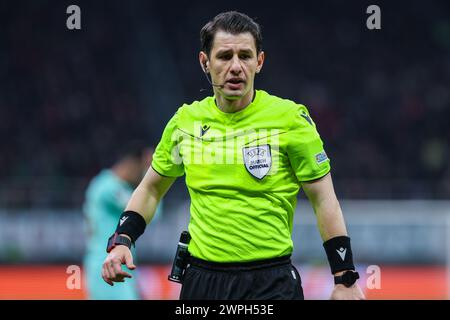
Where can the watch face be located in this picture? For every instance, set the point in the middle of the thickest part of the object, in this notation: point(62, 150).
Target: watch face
point(349, 278)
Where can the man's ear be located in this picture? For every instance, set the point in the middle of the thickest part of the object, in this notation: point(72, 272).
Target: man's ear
point(203, 59)
point(261, 57)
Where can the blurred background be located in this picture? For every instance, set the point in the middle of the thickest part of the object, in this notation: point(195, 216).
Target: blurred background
point(380, 98)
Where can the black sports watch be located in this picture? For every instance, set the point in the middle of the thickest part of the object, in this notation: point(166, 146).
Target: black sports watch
point(116, 240)
point(348, 278)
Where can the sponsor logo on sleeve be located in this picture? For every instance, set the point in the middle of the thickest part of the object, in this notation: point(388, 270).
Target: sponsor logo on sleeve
point(321, 157)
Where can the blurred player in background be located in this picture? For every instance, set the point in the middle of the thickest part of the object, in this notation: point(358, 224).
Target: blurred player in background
point(106, 198)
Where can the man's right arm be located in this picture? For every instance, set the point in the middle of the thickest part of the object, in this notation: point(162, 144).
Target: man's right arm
point(143, 201)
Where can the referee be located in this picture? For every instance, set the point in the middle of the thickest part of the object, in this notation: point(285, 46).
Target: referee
point(245, 154)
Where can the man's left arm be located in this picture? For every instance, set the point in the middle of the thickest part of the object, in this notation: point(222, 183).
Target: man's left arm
point(331, 224)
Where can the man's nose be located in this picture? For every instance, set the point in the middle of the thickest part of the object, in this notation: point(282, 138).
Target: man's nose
point(236, 67)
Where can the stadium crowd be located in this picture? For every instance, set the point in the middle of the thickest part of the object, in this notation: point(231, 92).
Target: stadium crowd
point(381, 99)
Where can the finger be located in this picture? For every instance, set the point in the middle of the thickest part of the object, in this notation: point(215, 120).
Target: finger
point(105, 278)
point(129, 261)
point(126, 274)
point(118, 272)
point(119, 279)
point(110, 270)
point(117, 267)
point(107, 272)
point(109, 282)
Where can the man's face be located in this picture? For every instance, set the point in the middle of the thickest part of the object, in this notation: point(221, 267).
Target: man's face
point(138, 167)
point(233, 62)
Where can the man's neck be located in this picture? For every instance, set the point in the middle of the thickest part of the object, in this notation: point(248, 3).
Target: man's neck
point(230, 106)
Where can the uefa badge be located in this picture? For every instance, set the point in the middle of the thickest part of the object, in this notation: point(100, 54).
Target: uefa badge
point(257, 160)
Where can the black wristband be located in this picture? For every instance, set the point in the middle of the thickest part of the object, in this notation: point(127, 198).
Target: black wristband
point(339, 253)
point(132, 224)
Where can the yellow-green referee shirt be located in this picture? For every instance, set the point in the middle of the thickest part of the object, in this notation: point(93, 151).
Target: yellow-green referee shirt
point(243, 172)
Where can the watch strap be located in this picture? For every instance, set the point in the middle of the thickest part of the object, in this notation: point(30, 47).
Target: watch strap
point(117, 239)
point(348, 278)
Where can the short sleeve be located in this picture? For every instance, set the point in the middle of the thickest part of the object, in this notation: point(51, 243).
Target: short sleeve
point(166, 159)
point(305, 147)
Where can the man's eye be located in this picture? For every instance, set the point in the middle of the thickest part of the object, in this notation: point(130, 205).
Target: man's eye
point(245, 56)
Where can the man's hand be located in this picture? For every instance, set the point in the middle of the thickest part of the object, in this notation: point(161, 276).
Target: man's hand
point(341, 292)
point(112, 267)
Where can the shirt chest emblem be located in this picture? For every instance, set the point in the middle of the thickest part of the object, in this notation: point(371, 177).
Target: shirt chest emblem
point(257, 160)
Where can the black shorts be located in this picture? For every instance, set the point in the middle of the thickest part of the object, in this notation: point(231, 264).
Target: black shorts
point(273, 279)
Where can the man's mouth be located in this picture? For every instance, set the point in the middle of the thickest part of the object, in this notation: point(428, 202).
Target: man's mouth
point(235, 80)
point(235, 83)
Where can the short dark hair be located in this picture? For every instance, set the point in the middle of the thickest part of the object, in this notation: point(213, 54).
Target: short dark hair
point(134, 149)
point(233, 22)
